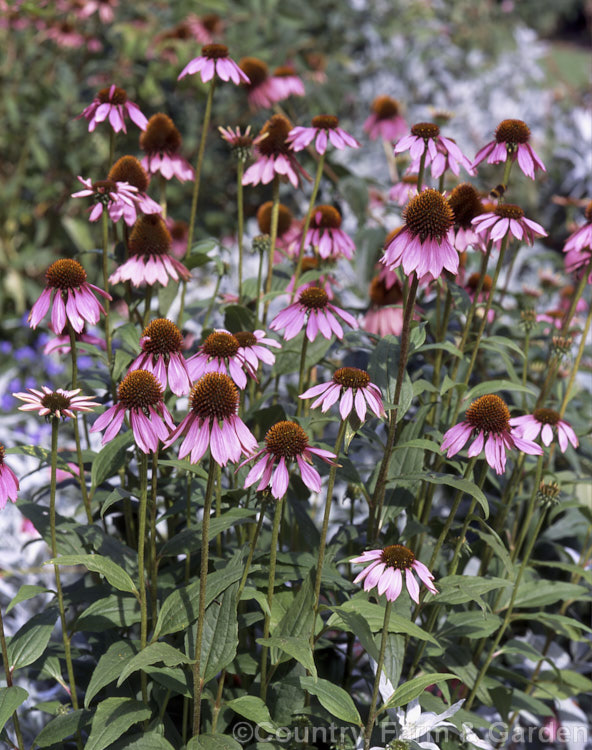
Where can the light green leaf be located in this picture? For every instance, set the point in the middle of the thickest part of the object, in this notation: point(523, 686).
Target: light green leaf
point(10, 699)
point(30, 641)
point(333, 699)
point(109, 668)
point(110, 458)
point(153, 653)
point(61, 727)
point(113, 717)
point(297, 648)
point(220, 634)
point(25, 592)
point(374, 616)
point(213, 742)
point(115, 574)
point(253, 709)
point(411, 689)
point(493, 386)
point(458, 483)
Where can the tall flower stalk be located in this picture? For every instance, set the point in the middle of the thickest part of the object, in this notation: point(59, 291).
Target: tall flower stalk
point(275, 533)
point(275, 208)
point(307, 220)
point(141, 573)
point(79, 459)
point(8, 678)
point(372, 713)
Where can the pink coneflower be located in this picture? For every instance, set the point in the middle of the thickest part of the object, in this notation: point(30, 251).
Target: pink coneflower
point(105, 9)
point(581, 239)
point(554, 317)
point(326, 235)
point(274, 156)
point(402, 192)
point(9, 484)
point(324, 129)
point(113, 103)
point(161, 142)
point(240, 143)
point(149, 244)
point(118, 198)
point(424, 244)
point(140, 395)
point(488, 420)
point(262, 90)
point(511, 139)
point(471, 287)
point(253, 348)
point(214, 59)
point(326, 281)
point(445, 160)
point(314, 311)
point(504, 220)
point(576, 260)
point(286, 82)
point(61, 344)
point(66, 35)
point(386, 572)
point(129, 169)
point(385, 121)
point(213, 423)
point(545, 422)
point(288, 233)
point(466, 205)
point(220, 352)
point(204, 28)
point(73, 298)
point(440, 152)
point(162, 344)
point(352, 388)
point(285, 442)
point(58, 404)
point(385, 316)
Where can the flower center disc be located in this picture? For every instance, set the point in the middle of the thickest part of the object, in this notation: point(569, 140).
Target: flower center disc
point(381, 296)
point(264, 218)
point(488, 413)
point(220, 344)
point(214, 396)
point(325, 122)
point(163, 337)
point(473, 282)
point(546, 416)
point(314, 298)
point(276, 131)
point(129, 169)
point(139, 390)
point(429, 215)
point(256, 70)
point(55, 402)
point(509, 211)
point(149, 236)
point(351, 377)
point(465, 204)
point(65, 274)
point(119, 96)
point(286, 440)
point(425, 130)
point(329, 218)
point(2, 454)
point(284, 71)
point(245, 338)
point(214, 51)
point(161, 135)
point(398, 556)
point(385, 107)
point(512, 131)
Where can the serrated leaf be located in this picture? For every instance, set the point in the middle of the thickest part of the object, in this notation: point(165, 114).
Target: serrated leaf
point(220, 634)
point(152, 654)
point(374, 616)
point(493, 386)
point(213, 742)
point(461, 589)
point(111, 457)
point(253, 709)
point(109, 668)
point(459, 483)
point(411, 689)
point(189, 540)
point(180, 608)
point(333, 699)
point(30, 641)
point(61, 727)
point(115, 611)
point(146, 741)
point(10, 699)
point(297, 648)
point(115, 574)
point(470, 625)
point(112, 718)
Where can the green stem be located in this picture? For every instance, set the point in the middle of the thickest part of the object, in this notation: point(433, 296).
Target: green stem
point(252, 545)
point(218, 511)
point(162, 183)
point(302, 372)
point(420, 174)
point(143, 467)
point(240, 208)
point(111, 148)
point(529, 511)
point(504, 625)
point(380, 489)
point(153, 557)
point(525, 366)
point(54, 553)
point(105, 220)
point(79, 460)
point(188, 522)
point(258, 297)
point(307, 220)
point(8, 676)
point(203, 578)
point(325, 527)
point(277, 517)
point(275, 209)
point(576, 364)
point(147, 302)
point(467, 521)
point(372, 712)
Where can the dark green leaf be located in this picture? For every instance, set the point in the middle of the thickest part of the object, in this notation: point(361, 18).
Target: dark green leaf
point(115, 574)
point(112, 718)
point(333, 699)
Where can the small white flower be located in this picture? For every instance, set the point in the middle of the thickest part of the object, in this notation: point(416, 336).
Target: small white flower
point(467, 735)
point(415, 724)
